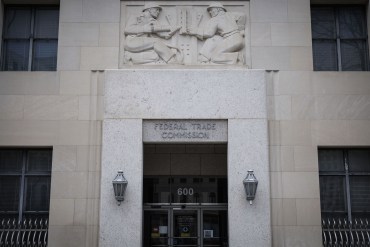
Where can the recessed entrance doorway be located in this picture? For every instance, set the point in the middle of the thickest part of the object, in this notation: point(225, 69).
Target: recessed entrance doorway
point(185, 195)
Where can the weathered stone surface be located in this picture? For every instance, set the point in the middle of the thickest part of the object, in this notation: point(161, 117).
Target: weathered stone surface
point(185, 94)
point(138, 99)
point(122, 150)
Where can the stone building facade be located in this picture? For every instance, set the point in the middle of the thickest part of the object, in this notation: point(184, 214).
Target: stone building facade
point(277, 110)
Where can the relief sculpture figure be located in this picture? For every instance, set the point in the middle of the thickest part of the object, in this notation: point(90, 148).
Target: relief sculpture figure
point(223, 35)
point(145, 37)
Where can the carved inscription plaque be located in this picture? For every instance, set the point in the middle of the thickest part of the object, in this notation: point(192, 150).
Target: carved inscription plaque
point(185, 131)
point(185, 33)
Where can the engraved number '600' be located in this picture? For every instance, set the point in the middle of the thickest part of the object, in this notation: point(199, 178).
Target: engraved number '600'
point(185, 191)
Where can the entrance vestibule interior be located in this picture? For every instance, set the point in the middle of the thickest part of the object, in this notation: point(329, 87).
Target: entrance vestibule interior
point(185, 195)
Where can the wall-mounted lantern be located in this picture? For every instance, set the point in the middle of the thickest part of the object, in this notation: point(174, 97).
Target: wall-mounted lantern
point(250, 186)
point(119, 186)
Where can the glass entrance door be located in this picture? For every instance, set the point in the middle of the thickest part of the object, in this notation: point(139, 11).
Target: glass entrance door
point(185, 228)
point(214, 225)
point(189, 227)
point(156, 228)
point(185, 195)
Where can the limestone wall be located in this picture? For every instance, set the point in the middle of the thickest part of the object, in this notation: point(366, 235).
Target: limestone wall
point(64, 110)
point(306, 110)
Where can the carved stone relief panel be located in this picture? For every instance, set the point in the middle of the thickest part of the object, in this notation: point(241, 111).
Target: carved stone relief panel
point(185, 33)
